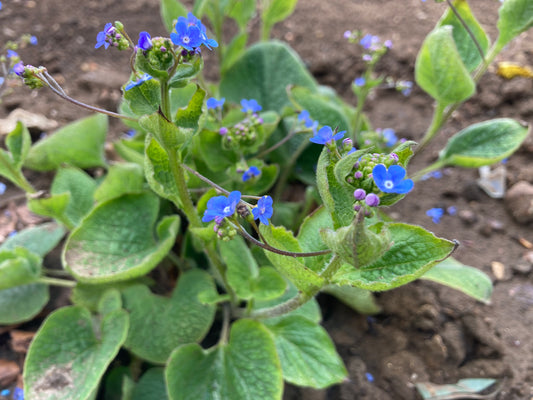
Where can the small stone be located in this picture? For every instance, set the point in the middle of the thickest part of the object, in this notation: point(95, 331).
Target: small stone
point(522, 267)
point(426, 318)
point(519, 202)
point(496, 226)
point(499, 270)
point(485, 229)
point(9, 371)
point(467, 216)
point(529, 257)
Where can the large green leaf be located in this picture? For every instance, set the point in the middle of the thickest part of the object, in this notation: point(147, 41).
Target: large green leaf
point(241, 269)
point(307, 354)
point(246, 368)
point(70, 353)
point(18, 143)
point(143, 99)
point(116, 240)
point(122, 178)
point(22, 303)
point(484, 143)
point(468, 280)
point(18, 267)
point(80, 143)
point(40, 239)
point(440, 71)
point(310, 239)
point(160, 324)
point(170, 11)
point(263, 73)
point(465, 45)
point(151, 386)
point(413, 253)
point(292, 268)
point(516, 16)
point(275, 11)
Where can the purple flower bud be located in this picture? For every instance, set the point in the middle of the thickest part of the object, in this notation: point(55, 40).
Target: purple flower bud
point(347, 35)
point(359, 194)
point(394, 157)
point(223, 131)
point(357, 207)
point(372, 200)
point(18, 68)
point(358, 175)
point(348, 142)
point(388, 44)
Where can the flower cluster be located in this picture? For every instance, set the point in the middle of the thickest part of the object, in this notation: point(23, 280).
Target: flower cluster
point(307, 121)
point(111, 36)
point(245, 132)
point(373, 46)
point(191, 34)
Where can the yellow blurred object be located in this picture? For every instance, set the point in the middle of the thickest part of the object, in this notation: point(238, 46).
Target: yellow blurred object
point(510, 70)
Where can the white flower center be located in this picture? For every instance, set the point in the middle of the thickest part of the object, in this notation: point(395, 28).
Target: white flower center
point(186, 39)
point(227, 209)
point(388, 184)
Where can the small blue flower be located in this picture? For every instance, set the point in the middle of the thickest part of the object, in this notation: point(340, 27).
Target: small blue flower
point(103, 37)
point(1, 81)
point(33, 40)
point(435, 214)
point(220, 207)
point(12, 54)
point(252, 172)
point(325, 135)
point(250, 106)
point(359, 81)
point(369, 377)
point(263, 211)
point(18, 394)
point(369, 42)
point(191, 33)
point(305, 117)
point(12, 233)
point(5, 392)
point(145, 41)
point(391, 180)
point(390, 137)
point(3, 188)
point(138, 82)
point(0, 5)
point(452, 210)
point(213, 103)
point(18, 68)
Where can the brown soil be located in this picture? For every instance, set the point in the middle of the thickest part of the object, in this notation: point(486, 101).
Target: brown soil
point(426, 332)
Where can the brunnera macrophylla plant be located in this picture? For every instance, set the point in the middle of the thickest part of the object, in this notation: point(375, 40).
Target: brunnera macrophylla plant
point(199, 198)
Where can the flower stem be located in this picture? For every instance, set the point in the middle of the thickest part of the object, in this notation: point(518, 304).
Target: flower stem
point(436, 124)
point(57, 282)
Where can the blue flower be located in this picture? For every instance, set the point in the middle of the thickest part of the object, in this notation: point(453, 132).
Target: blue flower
point(435, 214)
point(145, 41)
point(1, 81)
point(138, 82)
point(263, 211)
point(18, 394)
point(252, 172)
point(250, 106)
point(391, 180)
point(369, 42)
point(359, 81)
point(12, 54)
point(325, 135)
point(103, 37)
point(18, 68)
point(0, 5)
point(220, 207)
point(2, 188)
point(213, 103)
point(390, 137)
point(308, 122)
point(191, 33)
point(33, 40)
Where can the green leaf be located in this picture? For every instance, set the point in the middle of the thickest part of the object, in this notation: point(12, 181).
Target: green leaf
point(51, 206)
point(157, 171)
point(465, 45)
point(18, 267)
point(310, 239)
point(440, 71)
point(81, 188)
point(122, 178)
point(337, 198)
point(360, 300)
point(234, 49)
point(7, 167)
point(70, 353)
point(80, 143)
point(208, 146)
point(109, 302)
point(263, 73)
point(169, 135)
point(242, 270)
point(275, 11)
point(292, 268)
point(484, 143)
point(469, 280)
point(151, 386)
point(130, 150)
point(306, 352)
point(116, 241)
point(188, 117)
point(268, 285)
point(246, 368)
point(516, 16)
point(40, 239)
point(320, 108)
point(22, 303)
point(170, 11)
point(143, 99)
point(185, 71)
point(242, 11)
point(413, 253)
point(18, 142)
point(160, 324)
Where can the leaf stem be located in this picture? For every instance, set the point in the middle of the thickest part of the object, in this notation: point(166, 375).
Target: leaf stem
point(436, 123)
point(57, 282)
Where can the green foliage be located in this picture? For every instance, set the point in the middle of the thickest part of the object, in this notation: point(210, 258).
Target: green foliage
point(40, 239)
point(80, 144)
point(484, 143)
point(18, 267)
point(275, 11)
point(22, 303)
point(516, 16)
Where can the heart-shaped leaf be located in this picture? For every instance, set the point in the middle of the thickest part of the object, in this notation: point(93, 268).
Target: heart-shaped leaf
point(22, 303)
point(40, 239)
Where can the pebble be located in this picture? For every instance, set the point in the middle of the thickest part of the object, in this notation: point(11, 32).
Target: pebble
point(467, 216)
point(499, 270)
point(522, 267)
point(519, 202)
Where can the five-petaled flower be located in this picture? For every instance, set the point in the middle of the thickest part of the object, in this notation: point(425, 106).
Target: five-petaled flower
point(390, 137)
point(305, 117)
point(252, 172)
point(391, 180)
point(138, 82)
point(191, 33)
point(435, 214)
point(220, 207)
point(145, 41)
point(103, 38)
point(250, 106)
point(263, 211)
point(213, 103)
point(18, 68)
point(326, 135)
